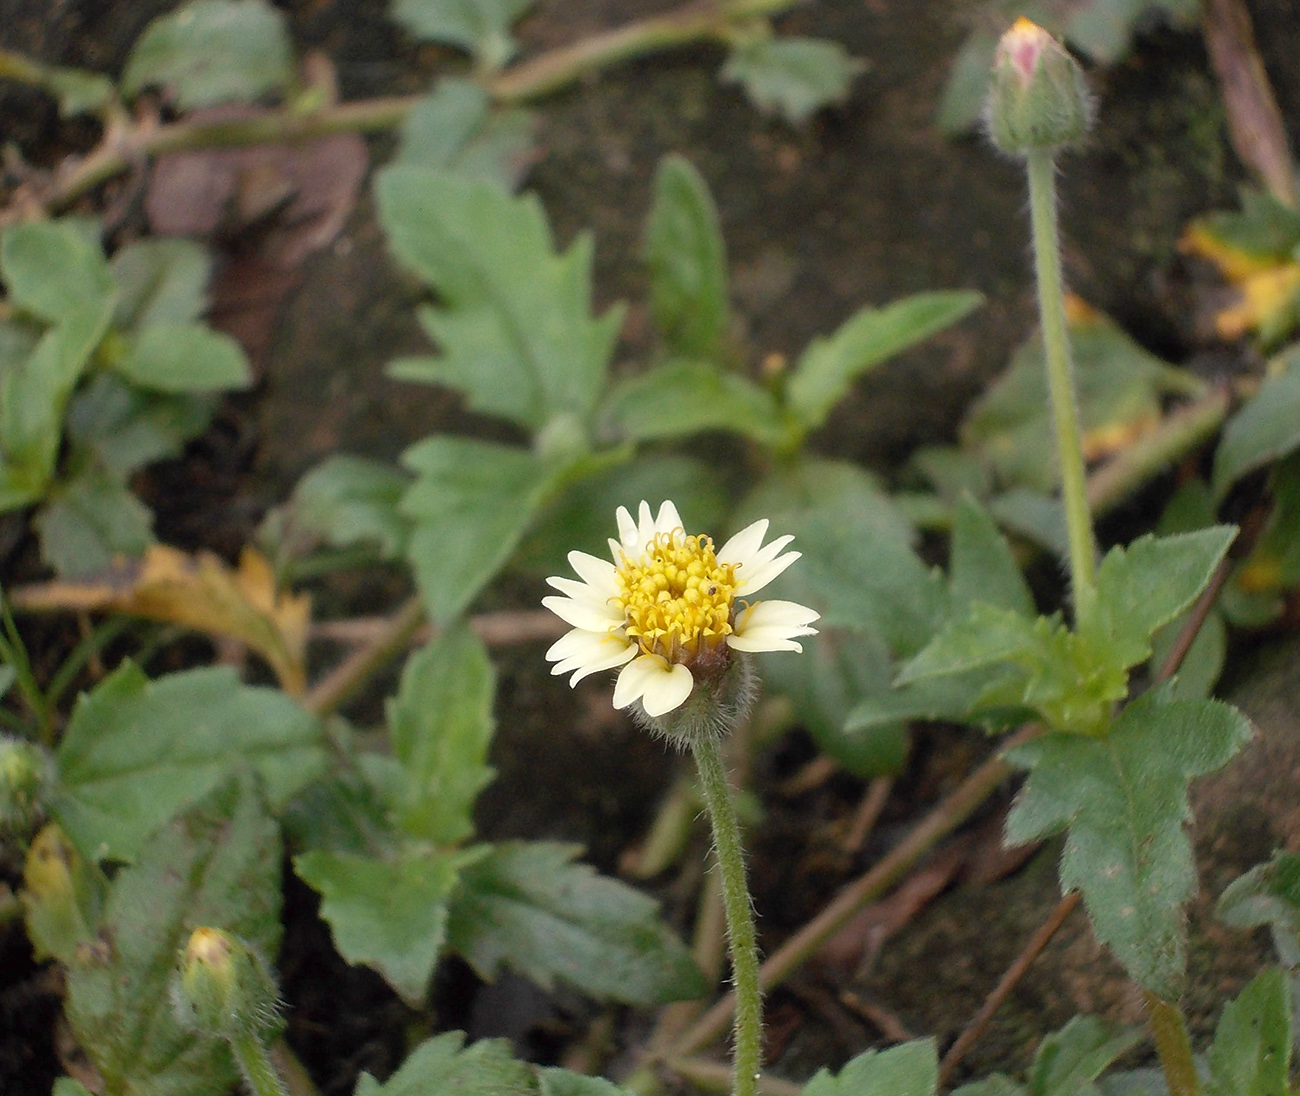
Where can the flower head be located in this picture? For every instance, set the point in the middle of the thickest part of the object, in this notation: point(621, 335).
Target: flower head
point(670, 609)
point(1037, 95)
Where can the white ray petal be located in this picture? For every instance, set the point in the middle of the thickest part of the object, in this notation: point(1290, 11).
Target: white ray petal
point(596, 572)
point(587, 615)
point(617, 552)
point(760, 574)
point(772, 626)
point(632, 678)
point(627, 531)
point(579, 591)
point(613, 652)
point(665, 691)
point(741, 547)
point(668, 520)
point(645, 530)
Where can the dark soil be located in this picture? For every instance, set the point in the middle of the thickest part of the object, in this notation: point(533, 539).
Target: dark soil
point(864, 205)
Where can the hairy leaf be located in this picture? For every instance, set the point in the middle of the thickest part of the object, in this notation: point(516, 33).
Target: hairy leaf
point(687, 260)
point(681, 398)
point(122, 427)
point(480, 27)
point(217, 864)
point(1266, 428)
point(1123, 798)
point(440, 724)
point(137, 751)
point(455, 129)
point(529, 907)
point(982, 567)
point(911, 1069)
point(794, 77)
point(872, 335)
point(388, 914)
point(471, 503)
point(184, 357)
point(443, 1066)
point(213, 51)
point(89, 521)
point(1069, 1060)
point(513, 322)
point(1251, 1053)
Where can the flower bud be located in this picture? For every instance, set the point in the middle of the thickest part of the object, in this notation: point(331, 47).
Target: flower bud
point(224, 989)
point(25, 773)
point(1037, 96)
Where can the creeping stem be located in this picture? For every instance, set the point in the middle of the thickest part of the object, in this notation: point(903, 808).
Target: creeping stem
point(1060, 379)
point(746, 1053)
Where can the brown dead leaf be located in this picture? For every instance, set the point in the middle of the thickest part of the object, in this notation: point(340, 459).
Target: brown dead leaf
point(197, 591)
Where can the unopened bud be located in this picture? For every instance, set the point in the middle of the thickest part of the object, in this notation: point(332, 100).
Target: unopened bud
point(25, 773)
point(1037, 97)
point(224, 989)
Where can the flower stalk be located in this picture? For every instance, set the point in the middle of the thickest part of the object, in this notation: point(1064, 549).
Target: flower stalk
point(1041, 168)
point(748, 1023)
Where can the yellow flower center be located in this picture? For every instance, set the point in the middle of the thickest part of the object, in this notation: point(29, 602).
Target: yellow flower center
point(676, 596)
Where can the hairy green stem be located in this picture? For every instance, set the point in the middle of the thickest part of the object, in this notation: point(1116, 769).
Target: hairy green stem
point(747, 1051)
point(1060, 379)
point(1173, 1046)
point(255, 1064)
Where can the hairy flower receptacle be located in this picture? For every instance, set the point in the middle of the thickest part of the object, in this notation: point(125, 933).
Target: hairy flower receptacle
point(1037, 96)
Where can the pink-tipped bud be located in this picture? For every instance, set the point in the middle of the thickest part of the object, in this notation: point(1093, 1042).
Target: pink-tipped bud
point(1037, 96)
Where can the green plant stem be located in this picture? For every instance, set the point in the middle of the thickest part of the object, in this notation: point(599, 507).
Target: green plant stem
point(747, 1051)
point(125, 144)
point(255, 1065)
point(1169, 1031)
point(946, 817)
point(1041, 169)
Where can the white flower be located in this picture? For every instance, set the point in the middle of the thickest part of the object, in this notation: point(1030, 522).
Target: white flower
point(669, 609)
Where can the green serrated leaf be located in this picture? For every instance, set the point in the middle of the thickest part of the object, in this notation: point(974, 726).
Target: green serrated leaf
point(388, 914)
point(454, 129)
point(347, 500)
point(553, 1081)
point(837, 668)
point(160, 281)
point(53, 272)
point(123, 428)
point(1265, 429)
point(974, 694)
point(982, 566)
point(440, 724)
point(218, 864)
point(687, 261)
point(1069, 1060)
point(1251, 1052)
point(1147, 584)
point(1123, 798)
point(681, 398)
point(471, 503)
point(213, 51)
point(1268, 894)
point(527, 906)
point(793, 77)
point(986, 635)
point(90, 521)
point(175, 357)
point(858, 568)
point(137, 751)
point(911, 1069)
point(480, 27)
point(440, 1067)
point(514, 321)
point(870, 336)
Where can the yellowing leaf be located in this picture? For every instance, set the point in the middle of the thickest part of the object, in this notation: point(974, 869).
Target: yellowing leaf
point(1234, 262)
point(201, 592)
point(1265, 297)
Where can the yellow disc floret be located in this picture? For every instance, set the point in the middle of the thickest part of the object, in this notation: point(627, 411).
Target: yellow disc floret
point(676, 596)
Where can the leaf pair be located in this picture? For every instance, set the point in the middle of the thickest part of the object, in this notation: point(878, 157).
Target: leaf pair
point(405, 888)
